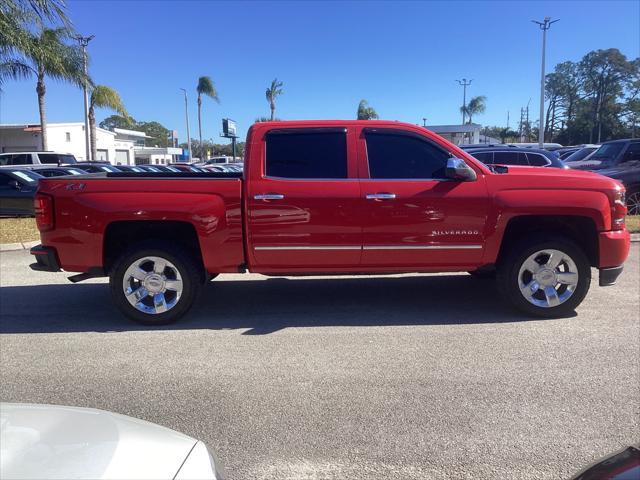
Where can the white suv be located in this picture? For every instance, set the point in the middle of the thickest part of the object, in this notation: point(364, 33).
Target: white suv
point(36, 158)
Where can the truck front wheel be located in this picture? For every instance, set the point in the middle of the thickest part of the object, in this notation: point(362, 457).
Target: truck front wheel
point(545, 276)
point(155, 283)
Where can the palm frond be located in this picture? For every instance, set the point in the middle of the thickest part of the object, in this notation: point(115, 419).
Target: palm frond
point(106, 97)
point(207, 87)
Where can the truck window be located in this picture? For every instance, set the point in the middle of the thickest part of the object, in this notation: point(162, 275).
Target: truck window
point(401, 156)
point(306, 154)
point(632, 153)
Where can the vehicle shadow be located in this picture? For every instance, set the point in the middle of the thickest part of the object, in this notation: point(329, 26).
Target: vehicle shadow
point(266, 306)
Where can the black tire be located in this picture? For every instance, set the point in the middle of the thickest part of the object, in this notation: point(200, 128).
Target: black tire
point(509, 269)
point(191, 275)
point(633, 201)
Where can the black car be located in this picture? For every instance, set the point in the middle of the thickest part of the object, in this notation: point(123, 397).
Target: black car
point(56, 171)
point(17, 189)
point(618, 159)
point(96, 167)
point(505, 155)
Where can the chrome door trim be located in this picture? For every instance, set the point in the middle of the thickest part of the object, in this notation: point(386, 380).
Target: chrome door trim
point(369, 247)
point(301, 247)
point(422, 247)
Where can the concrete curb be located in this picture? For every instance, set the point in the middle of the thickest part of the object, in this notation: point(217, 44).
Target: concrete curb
point(9, 247)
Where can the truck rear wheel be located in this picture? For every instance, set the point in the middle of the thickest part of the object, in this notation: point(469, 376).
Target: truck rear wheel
point(545, 276)
point(155, 283)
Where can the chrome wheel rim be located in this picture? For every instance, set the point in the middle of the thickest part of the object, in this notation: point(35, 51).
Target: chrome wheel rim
point(152, 285)
point(548, 278)
point(633, 204)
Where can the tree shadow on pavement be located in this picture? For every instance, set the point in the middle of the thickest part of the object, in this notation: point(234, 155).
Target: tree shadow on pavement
point(266, 306)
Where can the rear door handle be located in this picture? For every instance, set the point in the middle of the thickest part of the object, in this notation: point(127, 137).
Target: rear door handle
point(381, 196)
point(268, 196)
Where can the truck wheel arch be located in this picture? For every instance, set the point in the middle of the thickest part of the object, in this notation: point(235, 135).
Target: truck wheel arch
point(120, 235)
point(579, 229)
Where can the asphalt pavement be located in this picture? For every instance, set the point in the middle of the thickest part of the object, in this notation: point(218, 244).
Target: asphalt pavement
point(401, 377)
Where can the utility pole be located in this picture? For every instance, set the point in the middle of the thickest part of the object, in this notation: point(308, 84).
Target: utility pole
point(465, 83)
point(186, 113)
point(507, 119)
point(544, 26)
point(84, 41)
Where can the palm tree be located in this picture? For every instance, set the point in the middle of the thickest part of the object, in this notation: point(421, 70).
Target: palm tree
point(43, 54)
point(475, 106)
point(365, 112)
point(102, 97)
point(205, 87)
point(273, 92)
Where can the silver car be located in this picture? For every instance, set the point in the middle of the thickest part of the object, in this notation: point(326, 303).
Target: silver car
point(56, 442)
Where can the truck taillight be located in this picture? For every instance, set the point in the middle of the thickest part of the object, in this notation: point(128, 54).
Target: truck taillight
point(43, 207)
point(618, 210)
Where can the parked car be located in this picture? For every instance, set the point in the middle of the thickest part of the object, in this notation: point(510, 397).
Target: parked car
point(183, 167)
point(51, 441)
point(37, 158)
point(327, 197)
point(622, 465)
point(581, 154)
point(17, 190)
point(55, 171)
point(618, 159)
point(502, 155)
point(129, 168)
point(97, 167)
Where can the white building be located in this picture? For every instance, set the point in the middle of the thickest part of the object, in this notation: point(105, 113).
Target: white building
point(458, 134)
point(123, 147)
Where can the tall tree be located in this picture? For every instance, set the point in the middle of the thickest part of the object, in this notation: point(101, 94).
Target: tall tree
point(365, 112)
point(46, 54)
point(476, 106)
point(207, 88)
point(605, 73)
point(102, 97)
point(272, 93)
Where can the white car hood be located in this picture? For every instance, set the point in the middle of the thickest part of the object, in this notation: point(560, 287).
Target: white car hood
point(48, 441)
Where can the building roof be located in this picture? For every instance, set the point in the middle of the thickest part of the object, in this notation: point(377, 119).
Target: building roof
point(467, 128)
point(131, 133)
point(35, 127)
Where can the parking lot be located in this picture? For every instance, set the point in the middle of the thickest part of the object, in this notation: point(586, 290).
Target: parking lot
point(406, 377)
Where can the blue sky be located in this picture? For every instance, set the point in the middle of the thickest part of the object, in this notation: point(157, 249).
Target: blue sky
point(403, 57)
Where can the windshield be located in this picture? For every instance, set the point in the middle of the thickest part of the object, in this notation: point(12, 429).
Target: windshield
point(580, 154)
point(109, 169)
point(27, 175)
point(607, 152)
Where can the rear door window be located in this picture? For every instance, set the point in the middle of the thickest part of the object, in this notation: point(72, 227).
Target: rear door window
point(396, 155)
point(20, 159)
point(307, 153)
point(537, 160)
point(484, 157)
point(632, 153)
point(510, 158)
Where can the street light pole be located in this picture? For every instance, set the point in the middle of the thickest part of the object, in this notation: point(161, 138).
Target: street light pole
point(424, 121)
point(186, 113)
point(465, 83)
point(84, 41)
point(544, 26)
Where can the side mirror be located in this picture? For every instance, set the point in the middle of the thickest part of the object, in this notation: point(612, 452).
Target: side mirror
point(457, 169)
point(16, 185)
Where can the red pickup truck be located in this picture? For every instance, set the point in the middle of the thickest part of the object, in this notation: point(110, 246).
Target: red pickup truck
point(336, 197)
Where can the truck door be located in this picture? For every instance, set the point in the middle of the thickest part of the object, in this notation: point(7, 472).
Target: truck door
point(414, 217)
point(302, 200)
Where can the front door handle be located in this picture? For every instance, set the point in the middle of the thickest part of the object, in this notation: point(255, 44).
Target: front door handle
point(381, 196)
point(268, 196)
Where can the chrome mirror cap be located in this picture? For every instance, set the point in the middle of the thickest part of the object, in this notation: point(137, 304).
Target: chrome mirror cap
point(457, 169)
